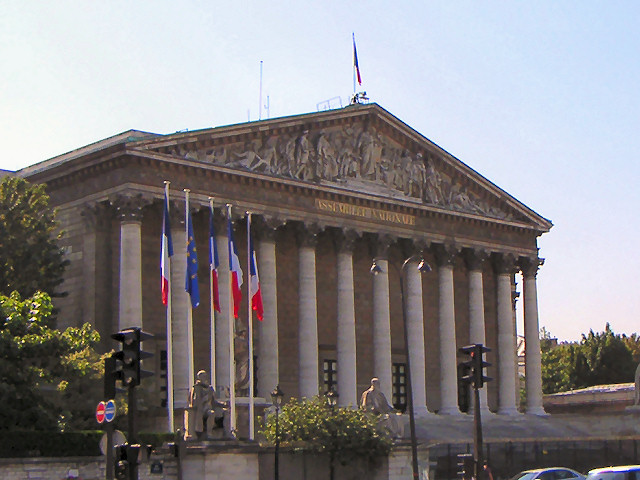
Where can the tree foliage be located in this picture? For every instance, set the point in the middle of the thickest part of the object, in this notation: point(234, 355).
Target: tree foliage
point(597, 359)
point(49, 379)
point(30, 256)
point(344, 433)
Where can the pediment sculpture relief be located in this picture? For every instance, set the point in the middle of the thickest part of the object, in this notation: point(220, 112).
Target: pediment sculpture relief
point(356, 157)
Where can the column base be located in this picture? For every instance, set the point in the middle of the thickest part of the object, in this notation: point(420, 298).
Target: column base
point(449, 411)
point(421, 411)
point(538, 411)
point(508, 411)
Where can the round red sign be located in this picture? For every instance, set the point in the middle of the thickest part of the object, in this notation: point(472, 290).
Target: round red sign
point(100, 409)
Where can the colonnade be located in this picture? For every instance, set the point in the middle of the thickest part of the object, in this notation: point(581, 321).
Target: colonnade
point(346, 344)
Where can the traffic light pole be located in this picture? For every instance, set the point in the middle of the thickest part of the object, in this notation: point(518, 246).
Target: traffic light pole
point(477, 436)
point(133, 465)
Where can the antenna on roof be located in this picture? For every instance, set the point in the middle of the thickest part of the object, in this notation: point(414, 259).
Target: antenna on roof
point(260, 98)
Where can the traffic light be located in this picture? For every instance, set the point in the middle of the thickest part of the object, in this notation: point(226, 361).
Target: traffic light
point(465, 465)
point(463, 387)
point(122, 465)
point(473, 369)
point(130, 356)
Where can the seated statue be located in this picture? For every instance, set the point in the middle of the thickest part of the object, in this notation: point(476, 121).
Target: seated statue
point(374, 401)
point(202, 408)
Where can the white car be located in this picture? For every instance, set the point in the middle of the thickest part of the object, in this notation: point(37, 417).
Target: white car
point(626, 472)
point(552, 473)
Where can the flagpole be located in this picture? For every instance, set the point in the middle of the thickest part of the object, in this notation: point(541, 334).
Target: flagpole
point(190, 372)
point(250, 330)
point(353, 36)
point(232, 367)
point(169, 331)
point(212, 306)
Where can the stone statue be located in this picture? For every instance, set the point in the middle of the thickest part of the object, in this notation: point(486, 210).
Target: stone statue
point(241, 354)
point(636, 400)
point(202, 406)
point(374, 401)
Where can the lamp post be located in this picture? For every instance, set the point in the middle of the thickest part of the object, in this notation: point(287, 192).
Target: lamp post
point(332, 401)
point(423, 267)
point(276, 397)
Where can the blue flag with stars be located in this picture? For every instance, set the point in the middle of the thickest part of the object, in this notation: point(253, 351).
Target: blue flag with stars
point(191, 284)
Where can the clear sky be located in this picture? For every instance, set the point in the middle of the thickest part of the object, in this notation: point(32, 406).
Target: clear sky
point(539, 97)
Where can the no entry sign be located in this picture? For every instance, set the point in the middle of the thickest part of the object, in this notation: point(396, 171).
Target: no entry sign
point(110, 411)
point(100, 409)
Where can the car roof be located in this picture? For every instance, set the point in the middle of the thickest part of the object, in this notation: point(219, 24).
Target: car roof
point(617, 468)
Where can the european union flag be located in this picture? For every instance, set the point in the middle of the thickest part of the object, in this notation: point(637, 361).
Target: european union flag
point(191, 284)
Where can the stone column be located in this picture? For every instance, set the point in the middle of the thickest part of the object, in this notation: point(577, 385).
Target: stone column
point(507, 361)
point(308, 312)
point(96, 270)
point(382, 320)
point(268, 328)
point(474, 260)
point(130, 301)
point(346, 331)
point(223, 352)
point(445, 256)
point(415, 336)
point(179, 304)
point(533, 356)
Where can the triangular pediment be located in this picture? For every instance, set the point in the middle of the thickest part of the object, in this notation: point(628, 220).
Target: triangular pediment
point(360, 148)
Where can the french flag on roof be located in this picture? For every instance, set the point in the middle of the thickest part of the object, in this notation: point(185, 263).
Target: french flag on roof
point(167, 251)
point(234, 268)
point(254, 281)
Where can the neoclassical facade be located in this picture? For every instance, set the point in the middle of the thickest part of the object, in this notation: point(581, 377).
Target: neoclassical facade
point(328, 192)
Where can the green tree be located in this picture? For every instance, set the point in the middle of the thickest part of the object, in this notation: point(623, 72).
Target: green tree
point(343, 433)
point(597, 359)
point(49, 379)
point(30, 255)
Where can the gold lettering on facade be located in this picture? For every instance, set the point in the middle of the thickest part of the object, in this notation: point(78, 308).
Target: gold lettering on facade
point(364, 212)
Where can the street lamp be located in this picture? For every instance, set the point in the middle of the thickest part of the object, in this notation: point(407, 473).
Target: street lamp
point(276, 398)
point(332, 401)
point(423, 267)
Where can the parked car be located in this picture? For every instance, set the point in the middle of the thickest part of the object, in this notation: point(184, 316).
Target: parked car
point(624, 472)
point(553, 473)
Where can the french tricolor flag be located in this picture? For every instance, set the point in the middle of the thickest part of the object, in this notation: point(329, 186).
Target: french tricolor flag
point(167, 250)
point(213, 262)
point(254, 280)
point(234, 269)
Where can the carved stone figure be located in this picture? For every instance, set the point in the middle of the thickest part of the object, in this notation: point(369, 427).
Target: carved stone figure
point(241, 354)
point(202, 408)
point(374, 401)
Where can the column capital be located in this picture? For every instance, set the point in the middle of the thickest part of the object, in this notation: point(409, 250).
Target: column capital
point(345, 239)
point(307, 234)
point(265, 227)
point(129, 208)
point(504, 263)
point(445, 254)
point(97, 215)
point(381, 245)
point(530, 265)
point(474, 258)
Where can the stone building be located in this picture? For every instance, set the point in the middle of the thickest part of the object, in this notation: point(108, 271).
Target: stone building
point(328, 192)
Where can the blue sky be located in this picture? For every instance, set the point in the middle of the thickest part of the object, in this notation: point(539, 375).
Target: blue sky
point(539, 97)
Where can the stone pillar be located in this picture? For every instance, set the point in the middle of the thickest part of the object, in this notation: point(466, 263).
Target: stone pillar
point(96, 270)
point(474, 260)
point(382, 320)
point(346, 331)
point(415, 336)
point(268, 328)
point(533, 356)
point(180, 302)
point(308, 313)
point(130, 300)
point(445, 256)
point(223, 352)
point(507, 361)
